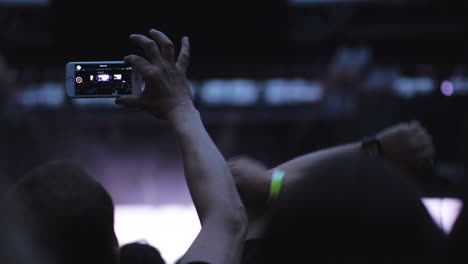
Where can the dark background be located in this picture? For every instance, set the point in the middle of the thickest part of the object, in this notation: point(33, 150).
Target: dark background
point(240, 33)
point(235, 39)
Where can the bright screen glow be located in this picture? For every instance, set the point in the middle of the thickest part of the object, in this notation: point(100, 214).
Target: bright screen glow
point(103, 77)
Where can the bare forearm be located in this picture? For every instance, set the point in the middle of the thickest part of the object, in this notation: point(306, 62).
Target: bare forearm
point(167, 96)
point(208, 177)
point(220, 210)
point(296, 167)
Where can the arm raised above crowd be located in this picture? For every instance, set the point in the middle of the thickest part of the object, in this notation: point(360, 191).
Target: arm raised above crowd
point(408, 145)
point(167, 96)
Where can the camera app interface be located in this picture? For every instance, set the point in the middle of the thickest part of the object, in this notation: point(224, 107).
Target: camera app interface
point(103, 79)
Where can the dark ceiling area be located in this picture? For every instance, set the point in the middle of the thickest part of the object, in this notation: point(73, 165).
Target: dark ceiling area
point(240, 34)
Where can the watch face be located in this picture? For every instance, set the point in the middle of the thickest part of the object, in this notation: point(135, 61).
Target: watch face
point(372, 149)
point(371, 146)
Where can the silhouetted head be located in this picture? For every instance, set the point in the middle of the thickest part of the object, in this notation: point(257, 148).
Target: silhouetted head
point(351, 205)
point(59, 214)
point(140, 253)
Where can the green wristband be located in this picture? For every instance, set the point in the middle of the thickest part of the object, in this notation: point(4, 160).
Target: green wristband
point(277, 178)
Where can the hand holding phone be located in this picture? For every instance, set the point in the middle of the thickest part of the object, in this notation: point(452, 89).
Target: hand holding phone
point(100, 79)
point(166, 85)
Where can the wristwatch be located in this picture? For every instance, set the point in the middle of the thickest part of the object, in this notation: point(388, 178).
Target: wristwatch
point(371, 146)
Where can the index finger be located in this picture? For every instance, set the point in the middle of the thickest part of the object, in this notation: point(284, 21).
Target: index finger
point(149, 46)
point(140, 64)
point(167, 48)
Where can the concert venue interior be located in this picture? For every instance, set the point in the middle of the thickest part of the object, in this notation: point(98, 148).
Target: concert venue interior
point(272, 79)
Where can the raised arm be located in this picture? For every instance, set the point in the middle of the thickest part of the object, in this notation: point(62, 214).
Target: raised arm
point(167, 96)
point(408, 145)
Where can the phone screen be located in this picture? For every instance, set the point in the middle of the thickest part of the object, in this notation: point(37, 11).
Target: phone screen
point(103, 79)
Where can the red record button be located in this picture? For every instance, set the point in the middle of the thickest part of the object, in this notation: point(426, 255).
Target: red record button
point(79, 79)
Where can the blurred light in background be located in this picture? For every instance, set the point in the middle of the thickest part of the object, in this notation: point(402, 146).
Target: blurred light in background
point(50, 95)
point(292, 91)
point(194, 87)
point(408, 87)
point(460, 85)
point(26, 2)
point(446, 87)
point(246, 92)
point(237, 92)
point(352, 58)
point(94, 102)
point(380, 79)
point(170, 228)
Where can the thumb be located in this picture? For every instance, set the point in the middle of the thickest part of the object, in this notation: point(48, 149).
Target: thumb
point(132, 101)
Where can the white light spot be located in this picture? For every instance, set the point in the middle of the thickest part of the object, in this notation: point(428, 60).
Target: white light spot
point(444, 211)
point(170, 228)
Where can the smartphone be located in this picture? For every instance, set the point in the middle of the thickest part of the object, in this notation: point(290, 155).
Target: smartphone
point(98, 79)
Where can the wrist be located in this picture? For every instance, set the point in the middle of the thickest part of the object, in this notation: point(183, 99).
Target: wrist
point(371, 146)
point(182, 114)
